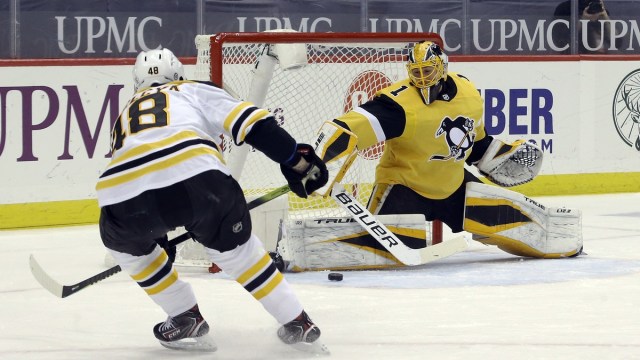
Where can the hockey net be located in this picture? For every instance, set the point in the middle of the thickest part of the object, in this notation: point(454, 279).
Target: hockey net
point(304, 79)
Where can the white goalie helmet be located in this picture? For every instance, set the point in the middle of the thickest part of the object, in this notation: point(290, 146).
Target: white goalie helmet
point(156, 67)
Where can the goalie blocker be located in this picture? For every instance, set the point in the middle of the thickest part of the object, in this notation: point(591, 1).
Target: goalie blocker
point(336, 146)
point(520, 225)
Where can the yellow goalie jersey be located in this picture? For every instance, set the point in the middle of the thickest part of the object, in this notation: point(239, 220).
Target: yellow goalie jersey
point(425, 145)
point(169, 133)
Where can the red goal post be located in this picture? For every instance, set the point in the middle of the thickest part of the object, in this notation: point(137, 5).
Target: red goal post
point(305, 79)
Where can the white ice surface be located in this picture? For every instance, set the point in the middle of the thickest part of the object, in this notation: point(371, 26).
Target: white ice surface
point(481, 304)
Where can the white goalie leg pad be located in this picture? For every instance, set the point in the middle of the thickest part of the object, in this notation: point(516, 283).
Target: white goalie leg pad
point(511, 164)
point(520, 225)
point(335, 243)
point(336, 146)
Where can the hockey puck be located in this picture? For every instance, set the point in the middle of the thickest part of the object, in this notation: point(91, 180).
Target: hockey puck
point(335, 276)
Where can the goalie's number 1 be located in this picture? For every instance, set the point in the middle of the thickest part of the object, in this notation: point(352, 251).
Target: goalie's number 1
point(399, 90)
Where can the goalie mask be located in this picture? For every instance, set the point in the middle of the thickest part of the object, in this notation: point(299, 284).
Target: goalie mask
point(156, 67)
point(427, 67)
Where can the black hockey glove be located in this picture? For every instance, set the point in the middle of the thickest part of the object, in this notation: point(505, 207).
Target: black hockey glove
point(309, 180)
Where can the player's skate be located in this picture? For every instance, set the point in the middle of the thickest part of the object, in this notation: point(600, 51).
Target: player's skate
point(302, 334)
point(187, 331)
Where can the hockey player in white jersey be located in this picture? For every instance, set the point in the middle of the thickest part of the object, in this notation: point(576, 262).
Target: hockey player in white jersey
point(167, 171)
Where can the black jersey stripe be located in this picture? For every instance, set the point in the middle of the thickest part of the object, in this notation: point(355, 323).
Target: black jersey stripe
point(390, 115)
point(238, 124)
point(157, 155)
point(262, 278)
point(159, 275)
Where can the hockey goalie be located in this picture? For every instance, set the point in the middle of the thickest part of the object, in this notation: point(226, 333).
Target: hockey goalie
point(432, 128)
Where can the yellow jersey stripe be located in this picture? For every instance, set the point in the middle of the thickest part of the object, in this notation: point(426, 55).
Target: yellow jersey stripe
point(255, 269)
point(152, 267)
point(266, 290)
point(233, 115)
point(150, 147)
point(168, 281)
point(165, 163)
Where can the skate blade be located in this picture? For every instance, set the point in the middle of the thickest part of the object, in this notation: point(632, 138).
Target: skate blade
point(316, 347)
point(203, 343)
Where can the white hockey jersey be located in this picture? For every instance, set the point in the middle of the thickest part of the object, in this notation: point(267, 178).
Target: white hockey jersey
point(169, 133)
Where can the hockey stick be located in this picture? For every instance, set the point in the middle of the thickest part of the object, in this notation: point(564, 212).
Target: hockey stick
point(62, 291)
point(389, 240)
point(442, 250)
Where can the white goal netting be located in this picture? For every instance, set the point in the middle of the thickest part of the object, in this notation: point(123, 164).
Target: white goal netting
point(304, 79)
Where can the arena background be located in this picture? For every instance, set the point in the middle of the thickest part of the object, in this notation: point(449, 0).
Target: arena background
point(66, 70)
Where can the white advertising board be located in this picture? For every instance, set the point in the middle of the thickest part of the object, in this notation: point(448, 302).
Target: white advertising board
point(55, 120)
point(577, 116)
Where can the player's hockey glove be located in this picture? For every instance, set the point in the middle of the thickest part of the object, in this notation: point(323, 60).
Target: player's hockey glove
point(304, 182)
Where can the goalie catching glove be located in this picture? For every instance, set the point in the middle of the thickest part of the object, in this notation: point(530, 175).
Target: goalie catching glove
point(305, 172)
point(510, 164)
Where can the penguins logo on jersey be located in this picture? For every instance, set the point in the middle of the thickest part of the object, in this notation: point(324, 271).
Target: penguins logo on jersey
point(459, 136)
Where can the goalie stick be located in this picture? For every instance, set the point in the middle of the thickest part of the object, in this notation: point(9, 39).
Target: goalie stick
point(62, 291)
point(389, 240)
point(337, 147)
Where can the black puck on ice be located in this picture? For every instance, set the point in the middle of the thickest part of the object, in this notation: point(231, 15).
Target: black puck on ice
point(335, 276)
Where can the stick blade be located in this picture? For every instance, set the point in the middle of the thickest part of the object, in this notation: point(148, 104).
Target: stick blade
point(44, 279)
point(374, 227)
point(443, 249)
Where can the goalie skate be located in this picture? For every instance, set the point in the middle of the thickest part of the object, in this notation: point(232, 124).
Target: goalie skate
point(187, 331)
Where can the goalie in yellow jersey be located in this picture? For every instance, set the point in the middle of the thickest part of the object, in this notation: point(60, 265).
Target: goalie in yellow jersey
point(432, 127)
